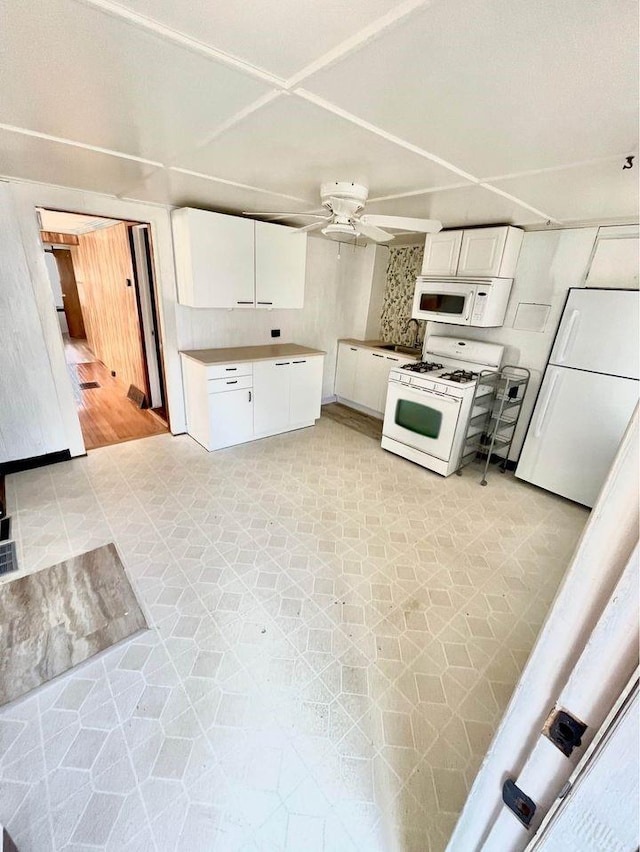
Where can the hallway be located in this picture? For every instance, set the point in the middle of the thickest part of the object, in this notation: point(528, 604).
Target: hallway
point(107, 416)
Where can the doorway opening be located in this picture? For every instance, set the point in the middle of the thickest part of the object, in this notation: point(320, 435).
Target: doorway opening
point(101, 275)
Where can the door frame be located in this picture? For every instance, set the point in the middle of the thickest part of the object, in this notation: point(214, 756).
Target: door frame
point(601, 556)
point(26, 197)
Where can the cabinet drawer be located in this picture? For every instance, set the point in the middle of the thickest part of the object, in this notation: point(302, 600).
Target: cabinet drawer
point(230, 383)
point(225, 371)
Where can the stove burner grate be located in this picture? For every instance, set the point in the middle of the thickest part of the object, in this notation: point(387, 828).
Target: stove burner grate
point(422, 367)
point(463, 377)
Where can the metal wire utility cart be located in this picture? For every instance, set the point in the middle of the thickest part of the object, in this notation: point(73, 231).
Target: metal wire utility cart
point(495, 411)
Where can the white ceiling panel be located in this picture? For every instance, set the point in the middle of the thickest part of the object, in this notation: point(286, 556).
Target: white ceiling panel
point(588, 192)
point(166, 186)
point(457, 208)
point(71, 71)
point(33, 158)
point(281, 36)
point(291, 146)
point(498, 86)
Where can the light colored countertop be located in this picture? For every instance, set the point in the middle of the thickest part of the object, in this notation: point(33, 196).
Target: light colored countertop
point(233, 354)
point(377, 344)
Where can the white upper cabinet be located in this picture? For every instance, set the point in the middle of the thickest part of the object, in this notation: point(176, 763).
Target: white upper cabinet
point(441, 252)
point(280, 265)
point(474, 252)
point(614, 262)
point(490, 252)
point(214, 259)
point(230, 262)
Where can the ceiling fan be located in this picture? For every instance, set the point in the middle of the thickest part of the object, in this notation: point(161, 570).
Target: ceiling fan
point(343, 202)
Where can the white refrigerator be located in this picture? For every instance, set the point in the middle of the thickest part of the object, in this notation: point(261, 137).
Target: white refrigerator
point(587, 397)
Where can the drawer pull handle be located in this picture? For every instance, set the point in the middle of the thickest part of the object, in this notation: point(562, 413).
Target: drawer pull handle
point(389, 358)
point(244, 303)
point(265, 303)
point(375, 355)
point(234, 382)
point(353, 348)
point(299, 362)
point(230, 369)
point(282, 363)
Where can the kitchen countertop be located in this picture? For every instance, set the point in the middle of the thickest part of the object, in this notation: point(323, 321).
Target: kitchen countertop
point(233, 354)
point(377, 344)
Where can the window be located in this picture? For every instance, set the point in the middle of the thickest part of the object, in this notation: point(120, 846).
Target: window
point(418, 418)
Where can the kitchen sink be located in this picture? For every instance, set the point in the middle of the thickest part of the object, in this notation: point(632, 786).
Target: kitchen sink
point(397, 347)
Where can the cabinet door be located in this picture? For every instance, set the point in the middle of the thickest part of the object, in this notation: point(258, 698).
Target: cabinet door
point(271, 384)
point(481, 252)
point(346, 370)
point(371, 376)
point(214, 259)
point(305, 394)
point(231, 418)
point(441, 252)
point(281, 256)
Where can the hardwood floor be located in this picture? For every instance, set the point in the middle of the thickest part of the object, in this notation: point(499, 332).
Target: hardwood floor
point(363, 423)
point(107, 416)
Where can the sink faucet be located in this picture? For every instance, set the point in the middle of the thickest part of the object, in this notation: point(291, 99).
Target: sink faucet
point(416, 345)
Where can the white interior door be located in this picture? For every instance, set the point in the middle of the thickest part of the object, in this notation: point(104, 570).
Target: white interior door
point(600, 812)
point(600, 331)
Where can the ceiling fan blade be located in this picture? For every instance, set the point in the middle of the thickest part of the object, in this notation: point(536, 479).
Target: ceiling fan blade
point(314, 227)
point(310, 213)
point(403, 223)
point(373, 233)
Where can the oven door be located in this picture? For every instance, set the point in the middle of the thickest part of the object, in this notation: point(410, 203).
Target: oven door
point(444, 301)
point(421, 418)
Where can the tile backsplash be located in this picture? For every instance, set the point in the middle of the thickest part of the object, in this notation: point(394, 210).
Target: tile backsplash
point(404, 267)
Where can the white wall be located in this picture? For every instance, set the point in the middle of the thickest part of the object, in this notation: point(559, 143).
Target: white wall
point(550, 263)
point(30, 419)
point(337, 294)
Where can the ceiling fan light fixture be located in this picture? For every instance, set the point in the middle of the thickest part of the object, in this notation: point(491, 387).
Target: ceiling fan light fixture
point(339, 229)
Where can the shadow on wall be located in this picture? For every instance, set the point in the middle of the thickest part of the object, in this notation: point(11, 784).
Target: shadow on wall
point(405, 263)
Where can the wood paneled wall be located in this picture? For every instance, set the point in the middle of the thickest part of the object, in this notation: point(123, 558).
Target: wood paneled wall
point(104, 275)
point(59, 239)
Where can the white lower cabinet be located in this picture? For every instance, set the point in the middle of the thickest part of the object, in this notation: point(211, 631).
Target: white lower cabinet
point(272, 381)
point(362, 375)
point(234, 403)
point(288, 394)
point(305, 392)
point(231, 418)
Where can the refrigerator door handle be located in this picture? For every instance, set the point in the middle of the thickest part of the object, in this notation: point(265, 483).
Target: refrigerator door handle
point(545, 406)
point(568, 335)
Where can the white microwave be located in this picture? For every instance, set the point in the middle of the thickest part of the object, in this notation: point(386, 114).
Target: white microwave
point(462, 301)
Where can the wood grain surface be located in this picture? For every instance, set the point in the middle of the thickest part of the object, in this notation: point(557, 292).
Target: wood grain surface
point(70, 296)
point(103, 266)
point(106, 415)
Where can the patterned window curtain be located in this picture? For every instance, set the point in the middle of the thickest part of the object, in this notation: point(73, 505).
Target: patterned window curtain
point(404, 267)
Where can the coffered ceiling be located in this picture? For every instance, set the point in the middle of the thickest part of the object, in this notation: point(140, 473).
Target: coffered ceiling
point(471, 111)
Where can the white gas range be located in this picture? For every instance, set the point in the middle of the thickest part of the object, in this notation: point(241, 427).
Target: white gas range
point(429, 403)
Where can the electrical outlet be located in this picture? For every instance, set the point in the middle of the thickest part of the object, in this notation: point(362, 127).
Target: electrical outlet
point(275, 332)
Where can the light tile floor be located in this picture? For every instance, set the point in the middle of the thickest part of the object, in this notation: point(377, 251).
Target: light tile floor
point(335, 634)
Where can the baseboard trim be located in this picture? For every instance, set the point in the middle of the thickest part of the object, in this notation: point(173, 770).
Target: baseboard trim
point(18, 465)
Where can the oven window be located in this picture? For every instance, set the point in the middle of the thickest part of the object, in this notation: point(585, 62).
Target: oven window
point(418, 418)
point(442, 303)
